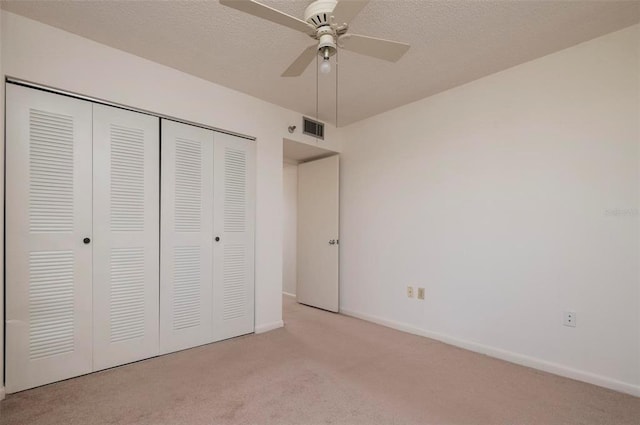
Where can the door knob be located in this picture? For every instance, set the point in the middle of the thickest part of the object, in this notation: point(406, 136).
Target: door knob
point(86, 240)
point(332, 242)
point(217, 238)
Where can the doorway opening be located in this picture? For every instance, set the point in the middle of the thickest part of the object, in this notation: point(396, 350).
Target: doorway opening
point(310, 225)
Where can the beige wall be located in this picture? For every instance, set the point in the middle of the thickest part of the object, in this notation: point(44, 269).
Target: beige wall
point(510, 199)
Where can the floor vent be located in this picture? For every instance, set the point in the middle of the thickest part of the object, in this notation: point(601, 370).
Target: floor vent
point(313, 128)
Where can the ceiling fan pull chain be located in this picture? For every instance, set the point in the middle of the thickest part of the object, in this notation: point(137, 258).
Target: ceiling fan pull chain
point(336, 89)
point(317, 88)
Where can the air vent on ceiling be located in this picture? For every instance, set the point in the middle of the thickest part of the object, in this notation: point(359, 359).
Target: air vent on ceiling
point(313, 128)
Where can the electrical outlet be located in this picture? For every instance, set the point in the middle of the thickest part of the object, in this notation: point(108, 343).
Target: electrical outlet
point(410, 291)
point(569, 319)
point(421, 293)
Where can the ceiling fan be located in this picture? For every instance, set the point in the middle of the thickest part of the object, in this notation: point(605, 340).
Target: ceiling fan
point(326, 21)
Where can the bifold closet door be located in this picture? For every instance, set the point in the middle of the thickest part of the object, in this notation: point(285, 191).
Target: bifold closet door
point(234, 218)
point(186, 236)
point(126, 190)
point(48, 216)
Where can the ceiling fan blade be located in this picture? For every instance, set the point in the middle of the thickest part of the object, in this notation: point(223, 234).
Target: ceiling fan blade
point(346, 10)
point(270, 14)
point(302, 62)
point(375, 47)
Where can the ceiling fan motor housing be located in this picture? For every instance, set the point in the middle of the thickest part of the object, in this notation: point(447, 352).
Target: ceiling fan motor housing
point(319, 12)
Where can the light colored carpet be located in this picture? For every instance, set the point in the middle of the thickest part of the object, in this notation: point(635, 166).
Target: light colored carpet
point(322, 368)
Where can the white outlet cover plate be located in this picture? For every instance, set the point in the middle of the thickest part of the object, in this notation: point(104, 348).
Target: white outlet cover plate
point(569, 319)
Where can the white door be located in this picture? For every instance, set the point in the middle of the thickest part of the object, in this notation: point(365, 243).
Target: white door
point(126, 191)
point(234, 218)
point(318, 233)
point(186, 236)
point(48, 215)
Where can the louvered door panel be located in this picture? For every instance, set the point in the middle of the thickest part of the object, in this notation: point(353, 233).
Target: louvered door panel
point(126, 242)
point(48, 213)
point(186, 236)
point(234, 203)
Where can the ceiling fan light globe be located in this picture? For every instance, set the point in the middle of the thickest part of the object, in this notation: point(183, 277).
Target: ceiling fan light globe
point(325, 67)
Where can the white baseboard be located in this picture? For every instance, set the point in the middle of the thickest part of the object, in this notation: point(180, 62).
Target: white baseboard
point(509, 356)
point(288, 294)
point(1, 393)
point(268, 327)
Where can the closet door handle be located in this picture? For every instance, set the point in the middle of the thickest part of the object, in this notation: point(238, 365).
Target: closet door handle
point(217, 238)
point(86, 241)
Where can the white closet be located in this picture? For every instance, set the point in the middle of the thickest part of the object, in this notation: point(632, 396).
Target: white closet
point(207, 255)
point(94, 279)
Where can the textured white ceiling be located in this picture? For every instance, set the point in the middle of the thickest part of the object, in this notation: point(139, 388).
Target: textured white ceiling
point(452, 42)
